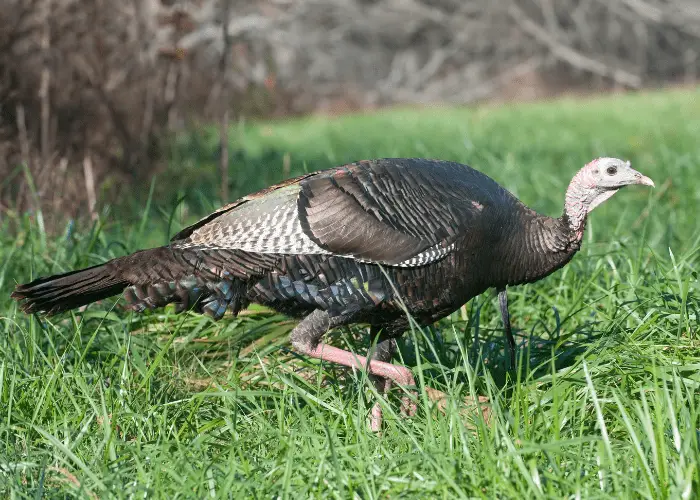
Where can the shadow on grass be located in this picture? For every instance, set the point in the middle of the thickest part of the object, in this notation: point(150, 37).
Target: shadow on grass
point(488, 352)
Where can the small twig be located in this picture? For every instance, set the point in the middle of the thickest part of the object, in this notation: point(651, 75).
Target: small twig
point(172, 80)
point(90, 185)
point(23, 136)
point(59, 183)
point(286, 166)
point(23, 148)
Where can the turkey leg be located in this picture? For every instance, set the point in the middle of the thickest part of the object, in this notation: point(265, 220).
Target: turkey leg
point(503, 303)
point(383, 352)
point(306, 339)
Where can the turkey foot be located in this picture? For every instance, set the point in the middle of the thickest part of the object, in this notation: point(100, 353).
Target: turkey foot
point(385, 349)
point(408, 406)
point(383, 386)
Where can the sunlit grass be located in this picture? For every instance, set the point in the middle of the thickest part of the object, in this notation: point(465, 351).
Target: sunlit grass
point(606, 402)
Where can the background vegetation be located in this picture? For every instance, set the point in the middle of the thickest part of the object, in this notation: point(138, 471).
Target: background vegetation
point(606, 402)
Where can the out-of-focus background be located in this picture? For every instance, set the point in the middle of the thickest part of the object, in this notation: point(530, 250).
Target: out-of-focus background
point(92, 92)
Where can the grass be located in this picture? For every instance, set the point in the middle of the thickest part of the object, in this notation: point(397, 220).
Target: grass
point(606, 403)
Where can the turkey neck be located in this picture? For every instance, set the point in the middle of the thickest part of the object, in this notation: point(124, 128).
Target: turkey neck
point(534, 247)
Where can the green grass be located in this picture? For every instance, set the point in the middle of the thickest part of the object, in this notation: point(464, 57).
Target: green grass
point(606, 404)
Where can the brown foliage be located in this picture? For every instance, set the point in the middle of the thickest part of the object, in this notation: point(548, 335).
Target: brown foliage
point(89, 92)
point(84, 96)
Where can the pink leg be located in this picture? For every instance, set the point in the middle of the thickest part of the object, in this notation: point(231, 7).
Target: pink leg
point(306, 339)
point(375, 419)
point(399, 374)
point(383, 351)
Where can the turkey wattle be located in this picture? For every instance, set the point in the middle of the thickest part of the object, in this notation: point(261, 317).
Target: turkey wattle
point(352, 244)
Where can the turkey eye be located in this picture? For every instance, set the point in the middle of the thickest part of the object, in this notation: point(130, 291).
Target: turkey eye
point(611, 170)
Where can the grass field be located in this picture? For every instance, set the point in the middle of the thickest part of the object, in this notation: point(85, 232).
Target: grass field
point(606, 402)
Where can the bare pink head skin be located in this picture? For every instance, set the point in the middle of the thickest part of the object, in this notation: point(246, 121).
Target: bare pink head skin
point(595, 183)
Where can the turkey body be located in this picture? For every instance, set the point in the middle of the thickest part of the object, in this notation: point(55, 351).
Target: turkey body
point(365, 242)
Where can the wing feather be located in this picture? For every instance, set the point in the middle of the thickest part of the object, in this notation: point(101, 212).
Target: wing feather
point(396, 211)
point(404, 212)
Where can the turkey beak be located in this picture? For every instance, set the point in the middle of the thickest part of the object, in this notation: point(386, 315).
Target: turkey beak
point(643, 179)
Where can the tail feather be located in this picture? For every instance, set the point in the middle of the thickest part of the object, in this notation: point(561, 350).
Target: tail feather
point(152, 278)
point(55, 294)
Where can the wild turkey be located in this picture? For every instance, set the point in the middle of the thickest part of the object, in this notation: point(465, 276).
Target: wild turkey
point(352, 244)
